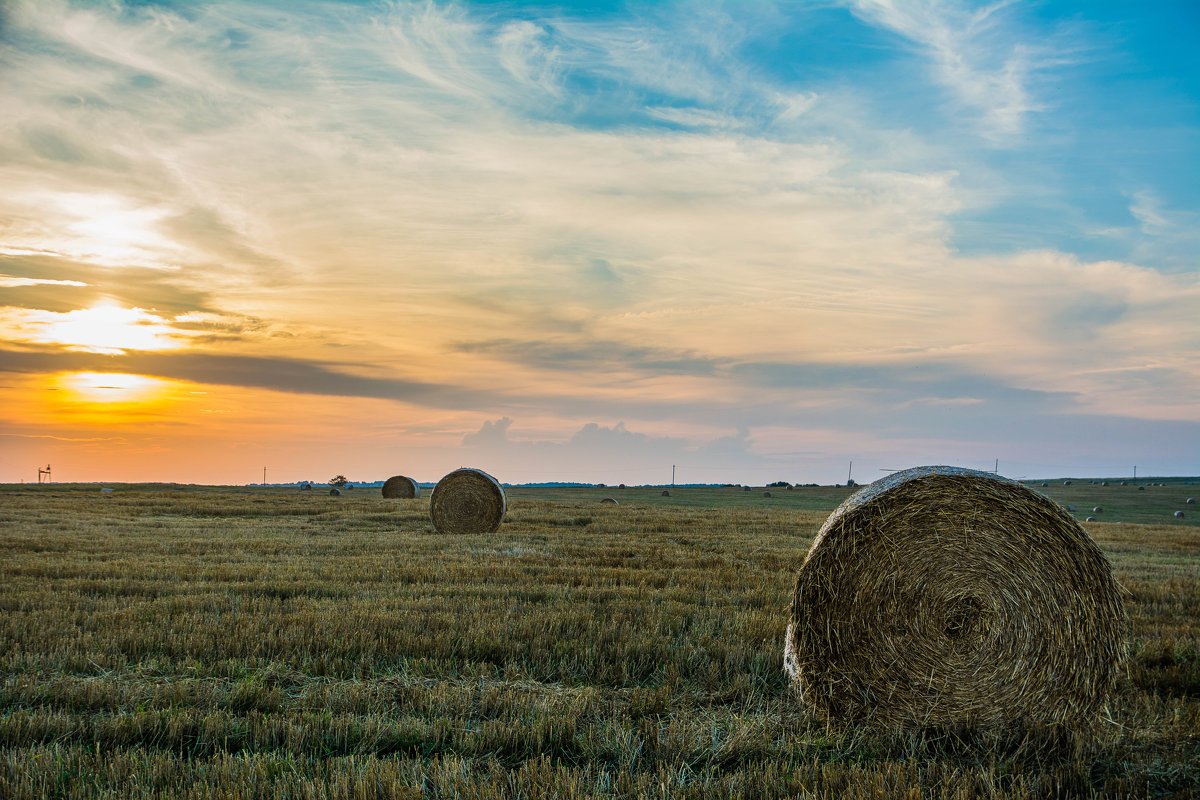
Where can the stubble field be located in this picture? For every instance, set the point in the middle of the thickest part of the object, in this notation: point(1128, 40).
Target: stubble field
point(165, 641)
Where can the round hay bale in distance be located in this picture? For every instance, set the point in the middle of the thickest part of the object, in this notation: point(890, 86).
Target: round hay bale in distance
point(1191, 501)
point(610, 501)
point(401, 487)
point(946, 596)
point(1066, 483)
point(1097, 510)
point(766, 494)
point(335, 492)
point(467, 500)
point(1179, 515)
point(1141, 488)
point(666, 493)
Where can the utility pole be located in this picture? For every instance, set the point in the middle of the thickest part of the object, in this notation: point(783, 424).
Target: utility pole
point(997, 468)
point(264, 476)
point(1135, 473)
point(672, 474)
point(849, 472)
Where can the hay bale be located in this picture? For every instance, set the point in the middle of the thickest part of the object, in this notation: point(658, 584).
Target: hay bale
point(1191, 501)
point(335, 492)
point(306, 487)
point(1044, 484)
point(401, 487)
point(1097, 509)
point(766, 494)
point(1066, 483)
point(610, 501)
point(1141, 488)
point(945, 596)
point(1090, 519)
point(747, 488)
point(1179, 514)
point(666, 493)
point(467, 501)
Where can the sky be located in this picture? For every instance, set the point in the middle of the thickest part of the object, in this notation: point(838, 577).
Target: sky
point(602, 242)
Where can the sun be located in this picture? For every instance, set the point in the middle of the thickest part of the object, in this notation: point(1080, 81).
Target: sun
point(110, 387)
point(108, 328)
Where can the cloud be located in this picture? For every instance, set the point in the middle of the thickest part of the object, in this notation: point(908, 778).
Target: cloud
point(978, 54)
point(13, 281)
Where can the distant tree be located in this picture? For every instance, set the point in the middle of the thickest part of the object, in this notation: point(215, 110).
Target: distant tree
point(778, 485)
point(338, 481)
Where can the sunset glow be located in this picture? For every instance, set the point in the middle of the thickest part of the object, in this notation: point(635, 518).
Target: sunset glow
point(110, 387)
point(744, 242)
point(102, 329)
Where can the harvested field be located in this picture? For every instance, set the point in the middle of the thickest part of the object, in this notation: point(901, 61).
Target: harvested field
point(247, 642)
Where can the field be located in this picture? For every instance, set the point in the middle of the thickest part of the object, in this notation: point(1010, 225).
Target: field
point(167, 641)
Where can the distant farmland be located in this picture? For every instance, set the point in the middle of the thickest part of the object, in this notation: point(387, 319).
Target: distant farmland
point(242, 642)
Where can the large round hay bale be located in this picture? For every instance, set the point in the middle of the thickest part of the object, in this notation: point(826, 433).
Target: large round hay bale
point(611, 501)
point(666, 493)
point(401, 487)
point(946, 596)
point(335, 492)
point(467, 501)
point(1191, 501)
point(1179, 515)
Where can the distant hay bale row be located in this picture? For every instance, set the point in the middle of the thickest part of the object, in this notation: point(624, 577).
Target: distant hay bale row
point(945, 596)
point(467, 501)
point(401, 487)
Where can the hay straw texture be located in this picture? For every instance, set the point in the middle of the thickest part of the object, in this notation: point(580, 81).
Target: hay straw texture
point(467, 501)
point(940, 596)
point(401, 487)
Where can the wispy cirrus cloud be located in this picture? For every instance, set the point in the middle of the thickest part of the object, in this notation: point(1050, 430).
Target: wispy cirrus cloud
point(987, 62)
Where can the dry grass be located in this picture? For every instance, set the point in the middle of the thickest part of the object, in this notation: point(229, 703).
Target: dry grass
point(161, 643)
